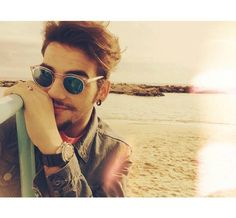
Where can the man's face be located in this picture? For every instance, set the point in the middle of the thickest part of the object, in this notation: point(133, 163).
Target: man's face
point(70, 110)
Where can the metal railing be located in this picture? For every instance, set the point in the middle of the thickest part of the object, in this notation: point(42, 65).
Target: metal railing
point(9, 106)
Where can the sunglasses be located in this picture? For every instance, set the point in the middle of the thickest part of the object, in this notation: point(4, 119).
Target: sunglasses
point(74, 84)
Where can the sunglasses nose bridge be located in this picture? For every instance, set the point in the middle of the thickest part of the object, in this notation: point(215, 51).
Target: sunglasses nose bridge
point(58, 75)
point(56, 90)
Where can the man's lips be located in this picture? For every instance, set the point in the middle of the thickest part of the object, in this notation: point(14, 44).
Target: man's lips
point(60, 107)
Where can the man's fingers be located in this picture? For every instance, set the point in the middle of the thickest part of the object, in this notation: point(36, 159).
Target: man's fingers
point(22, 88)
point(35, 87)
point(13, 90)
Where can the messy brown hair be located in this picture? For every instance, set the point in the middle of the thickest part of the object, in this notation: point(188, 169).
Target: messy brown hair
point(92, 37)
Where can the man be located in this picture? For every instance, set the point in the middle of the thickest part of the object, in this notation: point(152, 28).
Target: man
point(77, 154)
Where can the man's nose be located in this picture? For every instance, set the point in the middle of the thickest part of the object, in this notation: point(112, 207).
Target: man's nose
point(57, 90)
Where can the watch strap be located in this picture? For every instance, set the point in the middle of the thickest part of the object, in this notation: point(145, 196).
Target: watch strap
point(53, 160)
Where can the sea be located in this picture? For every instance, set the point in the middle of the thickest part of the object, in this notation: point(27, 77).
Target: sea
point(203, 109)
point(215, 109)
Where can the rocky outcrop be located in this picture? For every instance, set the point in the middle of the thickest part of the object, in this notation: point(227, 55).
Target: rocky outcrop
point(133, 89)
point(147, 90)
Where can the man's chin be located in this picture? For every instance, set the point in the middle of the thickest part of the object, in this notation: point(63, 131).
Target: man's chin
point(63, 126)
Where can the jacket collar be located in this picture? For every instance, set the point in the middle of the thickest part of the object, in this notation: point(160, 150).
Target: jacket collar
point(85, 143)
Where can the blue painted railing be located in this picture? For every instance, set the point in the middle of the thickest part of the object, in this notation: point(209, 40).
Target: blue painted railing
point(10, 105)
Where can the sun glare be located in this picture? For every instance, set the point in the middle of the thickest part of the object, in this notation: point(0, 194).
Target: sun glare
point(215, 80)
point(217, 165)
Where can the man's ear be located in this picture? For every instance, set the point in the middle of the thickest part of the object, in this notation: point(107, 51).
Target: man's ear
point(104, 90)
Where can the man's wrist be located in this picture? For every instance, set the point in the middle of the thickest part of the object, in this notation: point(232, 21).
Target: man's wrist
point(62, 155)
point(50, 150)
point(51, 146)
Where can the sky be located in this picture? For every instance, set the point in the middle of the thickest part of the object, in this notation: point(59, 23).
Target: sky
point(160, 52)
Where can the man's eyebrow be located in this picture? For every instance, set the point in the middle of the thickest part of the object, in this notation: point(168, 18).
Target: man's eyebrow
point(75, 72)
point(47, 66)
point(78, 73)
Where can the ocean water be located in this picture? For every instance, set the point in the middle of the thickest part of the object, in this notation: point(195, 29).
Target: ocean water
point(213, 109)
point(204, 109)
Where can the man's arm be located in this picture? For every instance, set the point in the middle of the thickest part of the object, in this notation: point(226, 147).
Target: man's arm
point(70, 182)
point(42, 130)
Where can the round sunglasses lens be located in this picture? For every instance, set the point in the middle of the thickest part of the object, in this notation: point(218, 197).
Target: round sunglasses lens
point(42, 77)
point(73, 85)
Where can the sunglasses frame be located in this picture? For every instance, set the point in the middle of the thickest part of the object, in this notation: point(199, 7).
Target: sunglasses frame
point(53, 74)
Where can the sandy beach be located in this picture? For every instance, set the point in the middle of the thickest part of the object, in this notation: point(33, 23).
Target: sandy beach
point(164, 158)
point(180, 160)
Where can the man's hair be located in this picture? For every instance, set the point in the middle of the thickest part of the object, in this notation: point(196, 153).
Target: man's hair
point(91, 37)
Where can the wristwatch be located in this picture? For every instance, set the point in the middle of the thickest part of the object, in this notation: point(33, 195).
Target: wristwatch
point(63, 155)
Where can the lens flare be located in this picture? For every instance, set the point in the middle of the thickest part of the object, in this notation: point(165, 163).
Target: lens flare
point(216, 172)
point(215, 81)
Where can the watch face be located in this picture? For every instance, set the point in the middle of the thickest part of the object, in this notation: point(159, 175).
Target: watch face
point(67, 151)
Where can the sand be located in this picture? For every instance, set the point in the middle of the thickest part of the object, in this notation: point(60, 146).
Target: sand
point(164, 157)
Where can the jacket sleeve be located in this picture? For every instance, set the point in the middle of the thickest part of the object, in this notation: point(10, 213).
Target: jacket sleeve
point(9, 160)
point(116, 168)
point(70, 182)
point(67, 182)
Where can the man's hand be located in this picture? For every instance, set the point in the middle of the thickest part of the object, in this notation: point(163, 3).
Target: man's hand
point(39, 116)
